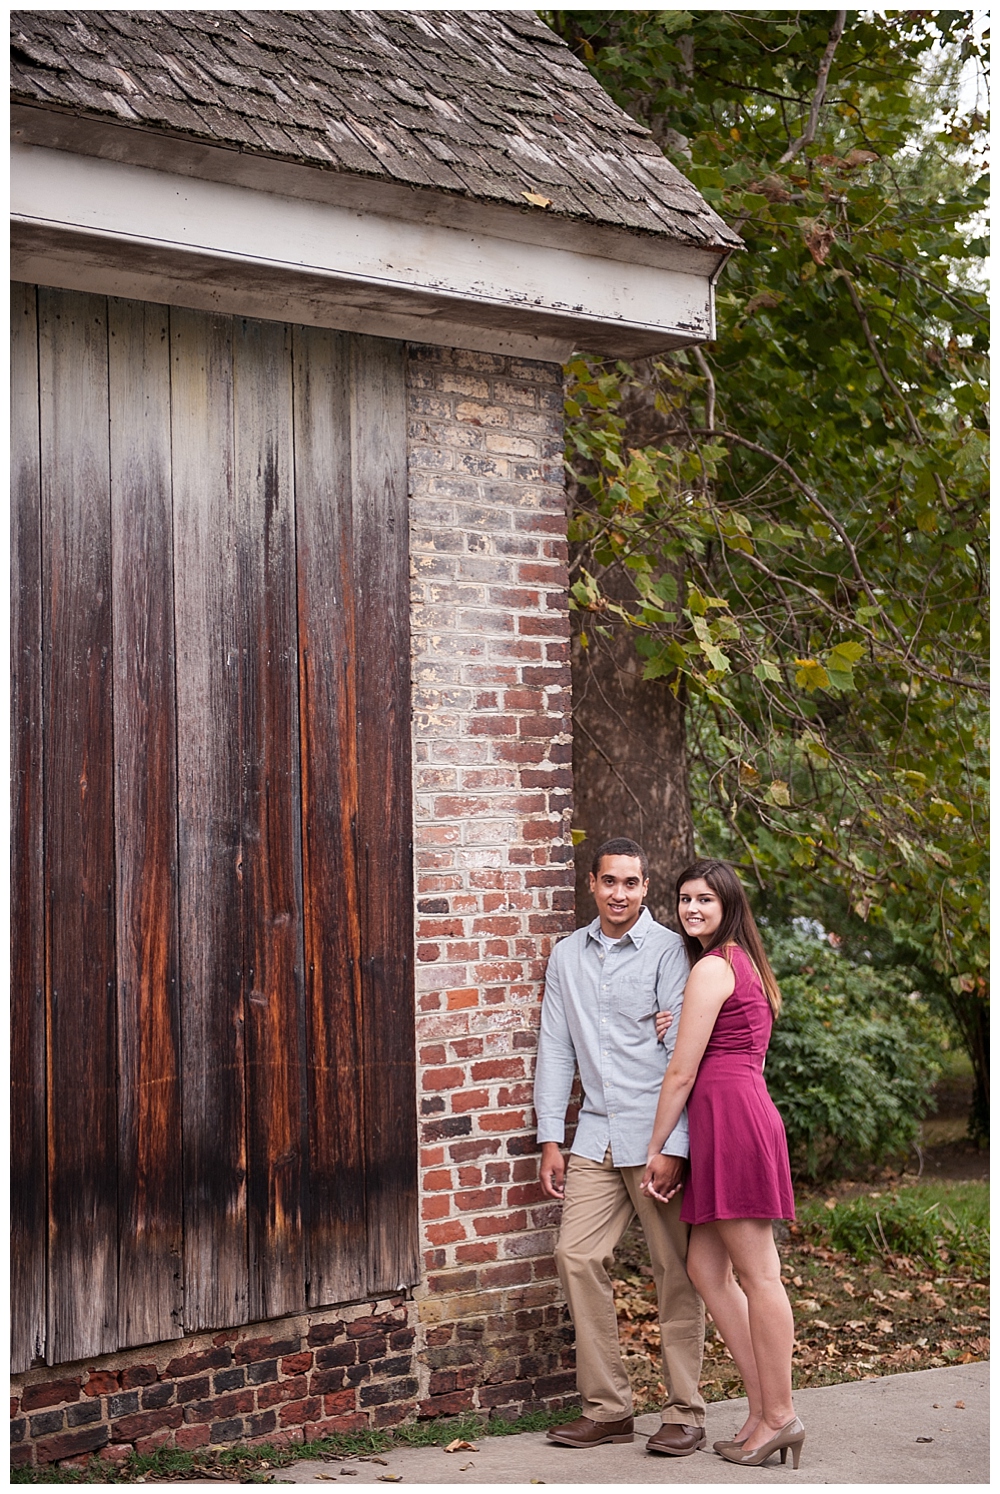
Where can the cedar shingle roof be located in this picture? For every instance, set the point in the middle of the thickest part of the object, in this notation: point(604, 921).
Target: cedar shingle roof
point(487, 105)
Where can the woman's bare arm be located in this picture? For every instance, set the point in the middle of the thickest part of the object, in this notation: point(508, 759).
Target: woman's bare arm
point(710, 983)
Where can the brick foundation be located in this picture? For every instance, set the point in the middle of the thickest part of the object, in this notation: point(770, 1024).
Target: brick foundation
point(280, 1382)
point(485, 1328)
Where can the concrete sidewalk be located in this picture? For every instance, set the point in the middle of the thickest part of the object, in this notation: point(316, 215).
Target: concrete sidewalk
point(864, 1432)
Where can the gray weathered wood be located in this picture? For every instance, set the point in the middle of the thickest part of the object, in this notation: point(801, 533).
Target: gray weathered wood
point(209, 829)
point(79, 826)
point(272, 894)
point(385, 847)
point(28, 1212)
point(149, 1122)
point(335, 1226)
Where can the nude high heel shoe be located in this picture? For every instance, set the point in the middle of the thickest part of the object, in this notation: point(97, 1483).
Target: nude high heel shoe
point(790, 1436)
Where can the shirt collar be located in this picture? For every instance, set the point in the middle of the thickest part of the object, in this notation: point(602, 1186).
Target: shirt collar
point(636, 933)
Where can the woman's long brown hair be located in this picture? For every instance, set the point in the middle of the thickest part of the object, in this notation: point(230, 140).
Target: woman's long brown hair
point(737, 926)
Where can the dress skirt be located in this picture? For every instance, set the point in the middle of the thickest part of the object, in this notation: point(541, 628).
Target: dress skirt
point(739, 1151)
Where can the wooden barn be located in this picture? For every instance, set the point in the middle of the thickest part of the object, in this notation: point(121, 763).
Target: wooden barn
point(291, 728)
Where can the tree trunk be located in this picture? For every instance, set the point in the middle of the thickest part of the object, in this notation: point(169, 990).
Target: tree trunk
point(629, 766)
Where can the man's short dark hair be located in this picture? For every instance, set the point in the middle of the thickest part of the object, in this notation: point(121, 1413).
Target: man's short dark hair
point(621, 846)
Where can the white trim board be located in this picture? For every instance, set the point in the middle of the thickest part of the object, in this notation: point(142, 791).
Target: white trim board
point(118, 228)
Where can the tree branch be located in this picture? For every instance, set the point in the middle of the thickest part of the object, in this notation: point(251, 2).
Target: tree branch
point(706, 373)
point(917, 433)
point(809, 134)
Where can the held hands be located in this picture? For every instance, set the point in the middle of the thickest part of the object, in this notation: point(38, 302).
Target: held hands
point(552, 1173)
point(662, 1178)
point(663, 1021)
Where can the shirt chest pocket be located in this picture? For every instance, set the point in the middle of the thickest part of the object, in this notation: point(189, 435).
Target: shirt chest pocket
point(635, 997)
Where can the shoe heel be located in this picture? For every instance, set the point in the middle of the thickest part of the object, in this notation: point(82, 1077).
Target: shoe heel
point(622, 1437)
point(795, 1448)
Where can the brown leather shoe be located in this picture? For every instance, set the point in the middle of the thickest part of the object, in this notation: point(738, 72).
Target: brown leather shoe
point(585, 1432)
point(676, 1441)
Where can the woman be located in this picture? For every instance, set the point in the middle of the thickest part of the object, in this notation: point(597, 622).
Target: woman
point(740, 1179)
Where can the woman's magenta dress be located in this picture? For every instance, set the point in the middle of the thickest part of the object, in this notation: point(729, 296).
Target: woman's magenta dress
point(739, 1151)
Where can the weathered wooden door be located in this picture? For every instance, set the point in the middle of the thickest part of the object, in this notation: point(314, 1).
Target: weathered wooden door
point(214, 1116)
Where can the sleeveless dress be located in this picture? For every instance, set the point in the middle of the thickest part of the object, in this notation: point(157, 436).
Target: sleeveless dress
point(739, 1151)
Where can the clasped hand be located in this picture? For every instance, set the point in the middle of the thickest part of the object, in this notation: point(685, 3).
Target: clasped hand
point(663, 1177)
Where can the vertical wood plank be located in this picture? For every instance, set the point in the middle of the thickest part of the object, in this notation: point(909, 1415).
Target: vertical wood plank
point(210, 851)
point(272, 902)
point(27, 1060)
point(79, 825)
point(336, 1252)
point(385, 836)
point(149, 1170)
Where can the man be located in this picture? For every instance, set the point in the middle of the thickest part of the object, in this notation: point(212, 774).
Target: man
point(604, 985)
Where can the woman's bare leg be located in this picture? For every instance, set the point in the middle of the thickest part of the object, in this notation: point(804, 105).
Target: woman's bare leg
point(749, 1244)
point(711, 1270)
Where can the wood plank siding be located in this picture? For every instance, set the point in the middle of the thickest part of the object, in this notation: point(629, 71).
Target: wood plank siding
point(213, 1053)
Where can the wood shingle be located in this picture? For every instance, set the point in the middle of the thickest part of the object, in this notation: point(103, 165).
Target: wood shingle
point(486, 105)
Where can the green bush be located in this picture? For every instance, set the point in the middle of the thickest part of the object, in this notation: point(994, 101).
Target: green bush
point(949, 1229)
point(852, 1060)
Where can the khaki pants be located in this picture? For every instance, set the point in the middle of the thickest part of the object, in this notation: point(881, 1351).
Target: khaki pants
point(601, 1201)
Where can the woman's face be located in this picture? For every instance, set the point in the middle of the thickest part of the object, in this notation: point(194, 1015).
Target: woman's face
point(699, 910)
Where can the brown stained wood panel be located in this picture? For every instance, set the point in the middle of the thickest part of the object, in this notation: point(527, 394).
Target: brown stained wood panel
point(212, 877)
point(385, 849)
point(149, 1122)
point(272, 895)
point(28, 1212)
point(210, 847)
point(79, 826)
point(336, 1254)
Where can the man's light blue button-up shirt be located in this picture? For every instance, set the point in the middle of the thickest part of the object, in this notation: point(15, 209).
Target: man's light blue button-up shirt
point(598, 1016)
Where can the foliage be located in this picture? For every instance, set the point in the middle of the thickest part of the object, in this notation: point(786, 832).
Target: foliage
point(946, 1228)
point(800, 509)
point(851, 1061)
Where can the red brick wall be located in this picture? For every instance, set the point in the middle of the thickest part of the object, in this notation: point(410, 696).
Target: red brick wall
point(494, 867)
point(486, 1327)
point(278, 1382)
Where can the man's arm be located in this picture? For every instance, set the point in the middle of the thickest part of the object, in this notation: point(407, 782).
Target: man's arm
point(671, 978)
point(554, 1073)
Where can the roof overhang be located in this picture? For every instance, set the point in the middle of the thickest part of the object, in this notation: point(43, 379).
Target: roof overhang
point(129, 212)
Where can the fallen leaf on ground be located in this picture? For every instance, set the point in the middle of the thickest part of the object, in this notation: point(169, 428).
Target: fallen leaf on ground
point(459, 1445)
point(464, 1467)
point(380, 1461)
point(925, 1439)
point(959, 1405)
point(390, 1478)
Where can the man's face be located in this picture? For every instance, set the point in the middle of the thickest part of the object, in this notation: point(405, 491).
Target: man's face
point(619, 889)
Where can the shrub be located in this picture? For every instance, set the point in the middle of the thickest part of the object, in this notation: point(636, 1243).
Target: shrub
point(852, 1060)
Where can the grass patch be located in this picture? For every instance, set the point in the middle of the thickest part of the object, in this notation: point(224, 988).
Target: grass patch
point(258, 1464)
point(944, 1225)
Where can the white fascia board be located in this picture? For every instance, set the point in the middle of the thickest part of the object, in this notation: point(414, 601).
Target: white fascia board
point(146, 226)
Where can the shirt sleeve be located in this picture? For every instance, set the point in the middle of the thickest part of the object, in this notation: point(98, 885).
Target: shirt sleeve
point(556, 1064)
point(671, 978)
